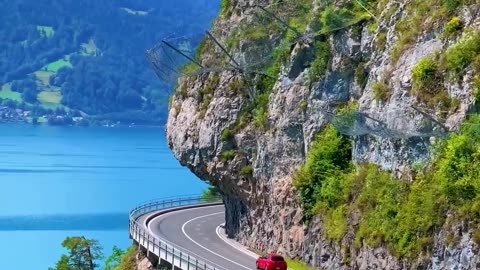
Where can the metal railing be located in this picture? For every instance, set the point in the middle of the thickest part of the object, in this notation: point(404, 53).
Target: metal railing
point(165, 250)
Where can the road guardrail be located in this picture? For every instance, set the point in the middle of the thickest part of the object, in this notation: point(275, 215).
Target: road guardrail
point(165, 250)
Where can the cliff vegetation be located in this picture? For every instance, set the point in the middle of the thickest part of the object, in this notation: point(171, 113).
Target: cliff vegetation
point(356, 145)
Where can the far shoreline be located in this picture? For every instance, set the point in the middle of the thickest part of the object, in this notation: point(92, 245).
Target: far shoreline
point(133, 126)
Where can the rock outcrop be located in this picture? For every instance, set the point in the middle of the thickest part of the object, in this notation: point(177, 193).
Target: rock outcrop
point(142, 262)
point(263, 209)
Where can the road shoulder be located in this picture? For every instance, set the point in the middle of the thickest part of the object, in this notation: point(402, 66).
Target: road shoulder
point(221, 233)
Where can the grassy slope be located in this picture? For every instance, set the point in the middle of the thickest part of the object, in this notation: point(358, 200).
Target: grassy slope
point(43, 77)
point(49, 96)
point(7, 93)
point(296, 265)
point(55, 66)
point(50, 99)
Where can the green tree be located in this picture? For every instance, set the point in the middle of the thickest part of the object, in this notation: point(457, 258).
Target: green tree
point(82, 254)
point(113, 261)
point(210, 194)
point(128, 259)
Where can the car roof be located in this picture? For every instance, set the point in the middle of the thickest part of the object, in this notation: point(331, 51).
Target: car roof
point(274, 255)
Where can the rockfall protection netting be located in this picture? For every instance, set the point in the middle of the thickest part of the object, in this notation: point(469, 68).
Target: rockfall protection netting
point(247, 47)
point(402, 124)
point(250, 47)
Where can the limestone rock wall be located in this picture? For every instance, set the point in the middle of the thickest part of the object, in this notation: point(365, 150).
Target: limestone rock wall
point(263, 211)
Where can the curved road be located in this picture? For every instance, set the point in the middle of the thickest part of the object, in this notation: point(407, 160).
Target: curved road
point(196, 230)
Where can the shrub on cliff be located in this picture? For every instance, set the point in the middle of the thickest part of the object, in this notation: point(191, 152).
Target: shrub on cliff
point(463, 53)
point(320, 180)
point(459, 166)
point(322, 58)
point(332, 18)
point(381, 91)
point(402, 216)
point(113, 261)
point(224, 5)
point(127, 260)
point(453, 27)
point(427, 84)
point(425, 75)
point(211, 194)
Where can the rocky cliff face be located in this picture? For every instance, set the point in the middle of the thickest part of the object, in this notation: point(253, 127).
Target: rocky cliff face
point(253, 167)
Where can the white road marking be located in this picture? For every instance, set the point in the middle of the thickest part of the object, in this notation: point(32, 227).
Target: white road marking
point(183, 230)
point(148, 227)
point(246, 252)
point(167, 214)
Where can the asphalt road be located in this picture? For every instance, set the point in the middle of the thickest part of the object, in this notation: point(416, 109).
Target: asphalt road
point(196, 230)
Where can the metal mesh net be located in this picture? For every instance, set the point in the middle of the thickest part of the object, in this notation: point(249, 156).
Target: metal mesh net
point(173, 56)
point(399, 126)
point(249, 47)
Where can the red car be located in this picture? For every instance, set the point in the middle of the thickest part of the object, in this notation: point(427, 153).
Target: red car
point(271, 262)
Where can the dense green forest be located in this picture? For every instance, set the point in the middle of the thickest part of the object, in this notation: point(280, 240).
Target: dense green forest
point(89, 56)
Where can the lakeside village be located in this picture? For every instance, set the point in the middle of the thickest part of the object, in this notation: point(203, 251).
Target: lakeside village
point(16, 115)
point(37, 115)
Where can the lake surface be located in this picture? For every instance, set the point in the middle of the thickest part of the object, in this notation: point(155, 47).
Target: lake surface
point(75, 172)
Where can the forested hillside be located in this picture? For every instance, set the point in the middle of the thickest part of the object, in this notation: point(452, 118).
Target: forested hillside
point(88, 56)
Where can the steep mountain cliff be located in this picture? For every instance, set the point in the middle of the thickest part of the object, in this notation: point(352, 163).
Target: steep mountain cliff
point(345, 149)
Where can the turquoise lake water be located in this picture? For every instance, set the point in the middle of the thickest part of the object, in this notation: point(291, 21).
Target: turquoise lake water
point(78, 171)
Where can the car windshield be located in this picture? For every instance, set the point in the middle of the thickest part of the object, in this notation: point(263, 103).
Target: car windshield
point(277, 258)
